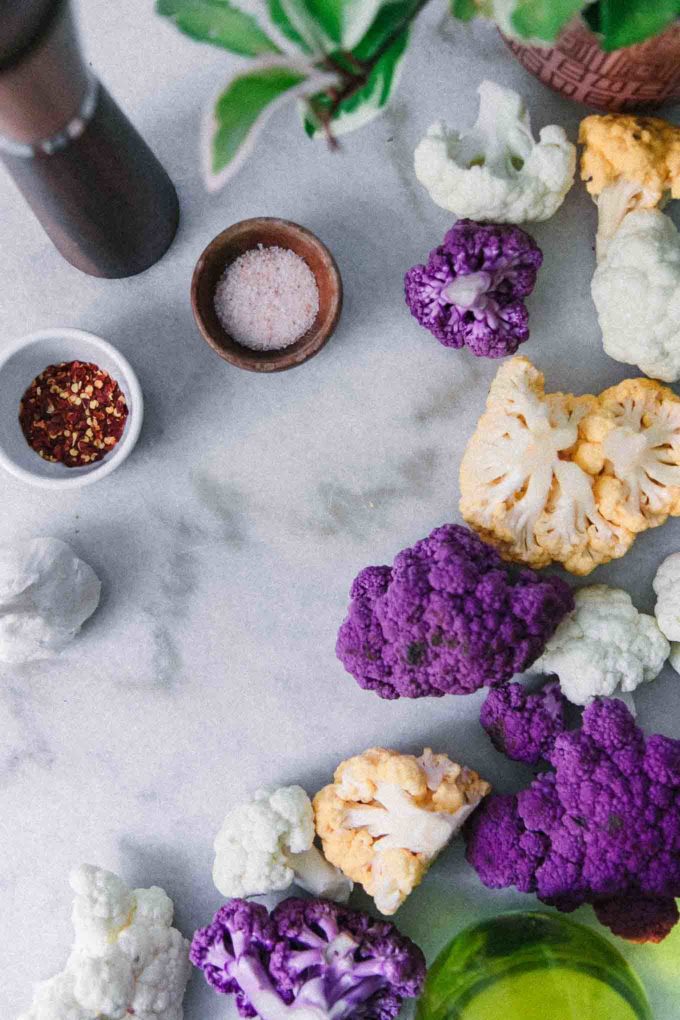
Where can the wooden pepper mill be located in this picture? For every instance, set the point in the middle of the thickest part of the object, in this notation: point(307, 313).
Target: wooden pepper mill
point(95, 186)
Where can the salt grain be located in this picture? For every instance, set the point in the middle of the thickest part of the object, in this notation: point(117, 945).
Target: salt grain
point(267, 298)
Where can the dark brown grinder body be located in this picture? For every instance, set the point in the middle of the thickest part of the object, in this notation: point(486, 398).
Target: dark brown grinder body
point(92, 181)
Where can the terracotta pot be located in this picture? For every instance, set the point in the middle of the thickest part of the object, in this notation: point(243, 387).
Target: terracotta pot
point(645, 75)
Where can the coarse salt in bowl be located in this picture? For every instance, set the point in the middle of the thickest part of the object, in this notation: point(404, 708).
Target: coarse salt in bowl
point(20, 364)
point(265, 232)
point(267, 298)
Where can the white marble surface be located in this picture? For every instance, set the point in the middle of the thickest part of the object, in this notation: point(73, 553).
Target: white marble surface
point(228, 542)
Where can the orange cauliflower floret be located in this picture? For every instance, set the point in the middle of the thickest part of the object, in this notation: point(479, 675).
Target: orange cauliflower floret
point(521, 487)
point(387, 816)
point(633, 445)
point(641, 149)
point(553, 477)
point(628, 163)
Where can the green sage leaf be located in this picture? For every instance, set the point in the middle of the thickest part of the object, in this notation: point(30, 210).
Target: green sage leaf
point(220, 23)
point(367, 102)
point(626, 22)
point(279, 14)
point(390, 21)
point(324, 25)
point(297, 19)
point(591, 16)
point(346, 21)
point(240, 111)
point(464, 10)
point(544, 19)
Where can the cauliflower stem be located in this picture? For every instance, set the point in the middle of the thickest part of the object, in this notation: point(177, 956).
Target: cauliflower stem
point(613, 203)
point(316, 876)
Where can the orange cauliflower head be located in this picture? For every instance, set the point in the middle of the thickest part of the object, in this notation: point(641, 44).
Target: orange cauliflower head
point(387, 816)
point(521, 487)
point(553, 477)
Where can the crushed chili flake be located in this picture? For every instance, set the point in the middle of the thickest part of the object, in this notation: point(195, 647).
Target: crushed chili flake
point(73, 413)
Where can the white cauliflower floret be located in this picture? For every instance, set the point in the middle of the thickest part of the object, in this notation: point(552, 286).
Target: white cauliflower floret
point(267, 843)
point(604, 646)
point(667, 589)
point(518, 487)
point(46, 594)
point(127, 959)
point(497, 171)
point(102, 907)
point(636, 291)
point(667, 609)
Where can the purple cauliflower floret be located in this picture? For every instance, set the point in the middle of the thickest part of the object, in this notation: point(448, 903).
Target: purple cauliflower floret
point(447, 618)
point(524, 726)
point(237, 943)
point(602, 827)
point(309, 958)
point(359, 967)
point(472, 290)
point(638, 918)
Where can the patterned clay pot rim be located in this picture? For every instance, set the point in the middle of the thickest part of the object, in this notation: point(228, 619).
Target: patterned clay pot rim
point(642, 76)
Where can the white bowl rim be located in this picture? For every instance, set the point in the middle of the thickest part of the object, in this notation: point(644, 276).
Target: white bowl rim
point(134, 423)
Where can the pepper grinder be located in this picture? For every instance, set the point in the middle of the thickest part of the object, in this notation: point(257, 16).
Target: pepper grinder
point(92, 181)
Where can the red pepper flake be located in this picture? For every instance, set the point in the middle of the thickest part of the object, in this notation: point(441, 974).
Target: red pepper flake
point(73, 413)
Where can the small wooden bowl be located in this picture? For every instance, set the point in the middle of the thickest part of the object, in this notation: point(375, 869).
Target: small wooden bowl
point(227, 247)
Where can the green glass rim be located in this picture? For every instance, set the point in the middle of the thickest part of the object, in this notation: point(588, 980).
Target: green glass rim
point(581, 950)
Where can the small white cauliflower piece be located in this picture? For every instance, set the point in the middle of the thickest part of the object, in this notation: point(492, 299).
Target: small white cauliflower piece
point(636, 291)
point(519, 487)
point(46, 594)
point(267, 844)
point(667, 609)
point(127, 959)
point(604, 646)
point(497, 171)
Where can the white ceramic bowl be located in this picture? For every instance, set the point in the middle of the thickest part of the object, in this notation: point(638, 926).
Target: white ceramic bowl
point(26, 358)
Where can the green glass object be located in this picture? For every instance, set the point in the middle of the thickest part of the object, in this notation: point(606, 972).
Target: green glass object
point(532, 966)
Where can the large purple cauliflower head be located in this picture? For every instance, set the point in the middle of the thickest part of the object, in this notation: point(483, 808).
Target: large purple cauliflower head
point(447, 618)
point(602, 827)
point(311, 957)
point(524, 726)
point(472, 290)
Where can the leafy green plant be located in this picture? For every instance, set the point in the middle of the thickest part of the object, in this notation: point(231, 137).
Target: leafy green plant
point(619, 22)
point(341, 58)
